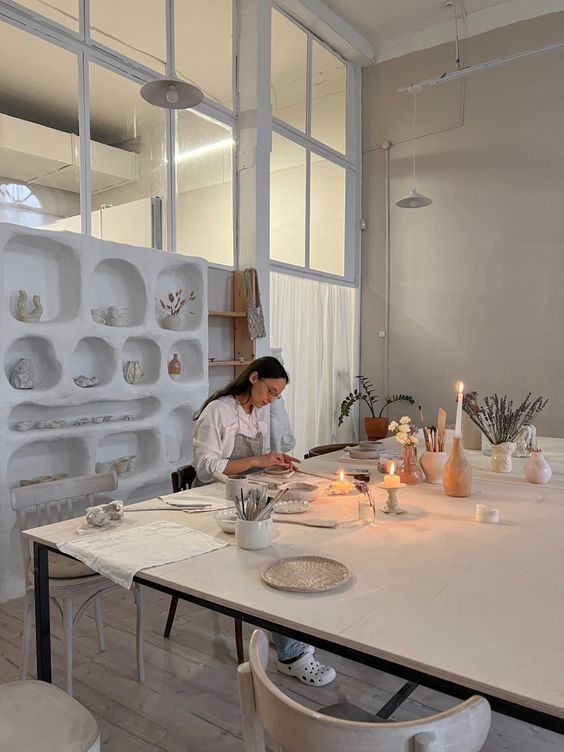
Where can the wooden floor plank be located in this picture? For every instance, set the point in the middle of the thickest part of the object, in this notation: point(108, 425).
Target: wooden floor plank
point(189, 700)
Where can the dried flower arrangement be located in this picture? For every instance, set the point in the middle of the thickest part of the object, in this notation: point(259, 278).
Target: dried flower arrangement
point(176, 303)
point(497, 419)
point(406, 431)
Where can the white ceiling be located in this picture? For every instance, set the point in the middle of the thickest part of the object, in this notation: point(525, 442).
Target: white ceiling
point(397, 27)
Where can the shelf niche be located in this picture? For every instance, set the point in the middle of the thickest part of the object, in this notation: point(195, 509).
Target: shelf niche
point(47, 369)
point(115, 282)
point(191, 357)
point(146, 351)
point(139, 409)
point(44, 267)
point(143, 444)
point(177, 431)
point(48, 457)
point(186, 277)
point(93, 357)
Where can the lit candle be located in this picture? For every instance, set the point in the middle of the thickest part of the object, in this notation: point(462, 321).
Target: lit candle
point(341, 486)
point(391, 480)
point(458, 424)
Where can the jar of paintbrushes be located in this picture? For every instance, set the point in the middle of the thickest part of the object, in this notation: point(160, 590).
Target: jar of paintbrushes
point(253, 527)
point(434, 457)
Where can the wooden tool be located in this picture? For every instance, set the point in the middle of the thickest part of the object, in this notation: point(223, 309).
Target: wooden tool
point(307, 523)
point(441, 428)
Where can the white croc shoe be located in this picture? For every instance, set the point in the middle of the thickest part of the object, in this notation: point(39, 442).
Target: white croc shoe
point(308, 670)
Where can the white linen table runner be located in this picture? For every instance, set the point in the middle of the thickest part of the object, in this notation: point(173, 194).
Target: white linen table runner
point(120, 554)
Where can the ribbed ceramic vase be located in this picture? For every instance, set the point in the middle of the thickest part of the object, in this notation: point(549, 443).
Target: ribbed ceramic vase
point(501, 457)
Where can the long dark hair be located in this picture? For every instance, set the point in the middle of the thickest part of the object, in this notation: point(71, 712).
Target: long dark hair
point(266, 368)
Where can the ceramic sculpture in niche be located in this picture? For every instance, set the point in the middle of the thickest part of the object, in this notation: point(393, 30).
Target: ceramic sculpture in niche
point(30, 316)
point(117, 316)
point(173, 309)
point(86, 381)
point(99, 315)
point(174, 367)
point(23, 374)
point(133, 371)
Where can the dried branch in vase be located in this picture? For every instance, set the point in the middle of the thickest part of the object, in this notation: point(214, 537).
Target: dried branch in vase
point(498, 420)
point(175, 302)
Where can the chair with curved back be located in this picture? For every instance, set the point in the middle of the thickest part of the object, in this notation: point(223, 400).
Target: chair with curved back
point(44, 503)
point(264, 707)
point(325, 449)
point(183, 479)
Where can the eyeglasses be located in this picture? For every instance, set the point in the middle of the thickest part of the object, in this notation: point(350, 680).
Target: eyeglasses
point(272, 393)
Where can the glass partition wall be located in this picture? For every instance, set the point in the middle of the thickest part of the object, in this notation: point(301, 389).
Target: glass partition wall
point(73, 67)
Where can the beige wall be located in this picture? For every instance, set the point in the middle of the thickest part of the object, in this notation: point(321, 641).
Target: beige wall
point(477, 278)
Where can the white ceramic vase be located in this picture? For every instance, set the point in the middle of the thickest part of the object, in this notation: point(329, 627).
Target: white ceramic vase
point(502, 457)
point(537, 469)
point(432, 464)
point(172, 321)
point(253, 534)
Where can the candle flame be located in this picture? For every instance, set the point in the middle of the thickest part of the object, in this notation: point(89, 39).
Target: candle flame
point(460, 387)
point(341, 475)
point(392, 469)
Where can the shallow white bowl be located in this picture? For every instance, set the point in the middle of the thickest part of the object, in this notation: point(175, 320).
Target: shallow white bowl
point(226, 519)
point(301, 492)
point(364, 453)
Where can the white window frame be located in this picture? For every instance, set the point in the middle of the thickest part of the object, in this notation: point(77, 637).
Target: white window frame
point(88, 51)
point(350, 161)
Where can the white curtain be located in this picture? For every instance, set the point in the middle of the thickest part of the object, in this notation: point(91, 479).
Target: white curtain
point(315, 325)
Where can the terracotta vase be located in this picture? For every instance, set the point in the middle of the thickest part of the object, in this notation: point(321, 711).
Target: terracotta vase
point(410, 471)
point(457, 473)
point(501, 457)
point(376, 428)
point(537, 469)
point(174, 367)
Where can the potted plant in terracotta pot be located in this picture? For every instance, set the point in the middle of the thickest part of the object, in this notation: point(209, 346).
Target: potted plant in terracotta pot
point(376, 427)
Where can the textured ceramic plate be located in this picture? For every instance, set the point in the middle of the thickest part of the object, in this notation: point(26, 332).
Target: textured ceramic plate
point(279, 472)
point(305, 574)
point(291, 507)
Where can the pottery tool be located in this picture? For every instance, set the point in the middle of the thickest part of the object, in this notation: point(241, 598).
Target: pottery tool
point(421, 417)
point(308, 523)
point(441, 428)
point(172, 508)
point(316, 475)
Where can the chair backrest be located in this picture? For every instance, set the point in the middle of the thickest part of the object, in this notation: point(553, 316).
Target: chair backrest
point(54, 501)
point(296, 728)
point(183, 478)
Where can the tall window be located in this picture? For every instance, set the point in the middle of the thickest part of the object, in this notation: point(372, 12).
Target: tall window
point(312, 167)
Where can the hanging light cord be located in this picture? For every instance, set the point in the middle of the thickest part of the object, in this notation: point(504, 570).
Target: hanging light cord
point(413, 133)
point(456, 34)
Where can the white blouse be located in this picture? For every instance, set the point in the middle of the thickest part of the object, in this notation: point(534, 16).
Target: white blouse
point(215, 430)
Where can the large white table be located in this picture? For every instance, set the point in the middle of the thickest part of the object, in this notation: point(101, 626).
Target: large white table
point(435, 597)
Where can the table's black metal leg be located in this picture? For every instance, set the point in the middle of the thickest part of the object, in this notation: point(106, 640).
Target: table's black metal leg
point(42, 614)
point(394, 702)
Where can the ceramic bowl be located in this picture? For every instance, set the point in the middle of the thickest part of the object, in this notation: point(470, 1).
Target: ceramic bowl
point(226, 519)
point(301, 492)
point(364, 453)
point(24, 425)
point(370, 444)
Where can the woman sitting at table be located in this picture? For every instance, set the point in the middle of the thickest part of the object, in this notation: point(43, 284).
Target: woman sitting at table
point(232, 436)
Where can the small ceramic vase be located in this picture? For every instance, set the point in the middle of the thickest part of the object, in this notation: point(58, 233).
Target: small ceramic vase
point(174, 367)
point(172, 321)
point(457, 473)
point(410, 472)
point(432, 464)
point(501, 457)
point(537, 469)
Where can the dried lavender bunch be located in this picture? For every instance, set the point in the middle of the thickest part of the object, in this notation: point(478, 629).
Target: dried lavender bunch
point(364, 488)
point(498, 420)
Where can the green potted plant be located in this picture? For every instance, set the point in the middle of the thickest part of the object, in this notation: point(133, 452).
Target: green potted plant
point(376, 427)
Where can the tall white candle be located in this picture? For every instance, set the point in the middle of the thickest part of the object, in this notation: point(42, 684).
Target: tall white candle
point(458, 424)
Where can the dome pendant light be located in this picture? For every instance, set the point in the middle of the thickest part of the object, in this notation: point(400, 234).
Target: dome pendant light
point(414, 200)
point(172, 94)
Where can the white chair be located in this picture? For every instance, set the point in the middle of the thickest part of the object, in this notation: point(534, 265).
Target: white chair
point(44, 503)
point(299, 729)
point(39, 716)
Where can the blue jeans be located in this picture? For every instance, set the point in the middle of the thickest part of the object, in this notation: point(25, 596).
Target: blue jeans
point(286, 647)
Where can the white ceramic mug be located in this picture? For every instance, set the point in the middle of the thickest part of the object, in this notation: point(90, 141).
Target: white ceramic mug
point(234, 485)
point(253, 534)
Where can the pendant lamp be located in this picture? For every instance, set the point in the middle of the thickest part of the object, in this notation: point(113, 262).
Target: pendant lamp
point(414, 200)
point(172, 94)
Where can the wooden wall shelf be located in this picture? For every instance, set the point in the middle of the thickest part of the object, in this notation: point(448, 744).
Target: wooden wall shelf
point(243, 345)
point(227, 314)
point(216, 363)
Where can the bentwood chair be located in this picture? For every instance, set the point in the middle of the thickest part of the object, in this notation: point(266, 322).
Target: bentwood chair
point(182, 480)
point(325, 449)
point(40, 716)
point(293, 727)
point(42, 504)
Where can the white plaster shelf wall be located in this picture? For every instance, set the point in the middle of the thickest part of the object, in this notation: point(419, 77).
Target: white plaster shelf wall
point(59, 427)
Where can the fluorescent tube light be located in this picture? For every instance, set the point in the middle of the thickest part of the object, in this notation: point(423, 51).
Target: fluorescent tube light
point(199, 150)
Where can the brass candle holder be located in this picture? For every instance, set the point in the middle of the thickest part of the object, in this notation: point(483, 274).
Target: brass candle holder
point(392, 506)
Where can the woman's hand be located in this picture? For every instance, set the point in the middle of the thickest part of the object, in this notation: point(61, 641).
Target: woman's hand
point(276, 459)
